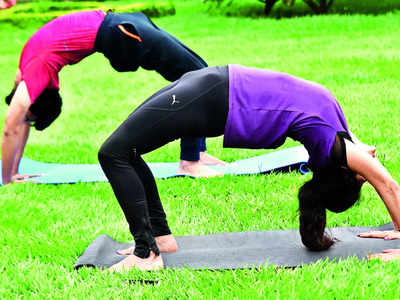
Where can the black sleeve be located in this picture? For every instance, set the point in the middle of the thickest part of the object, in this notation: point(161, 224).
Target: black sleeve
point(338, 152)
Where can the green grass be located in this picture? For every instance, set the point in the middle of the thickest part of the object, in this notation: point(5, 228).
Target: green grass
point(25, 15)
point(254, 8)
point(43, 229)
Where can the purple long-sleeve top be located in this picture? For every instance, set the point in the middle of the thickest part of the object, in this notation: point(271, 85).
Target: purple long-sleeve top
point(266, 107)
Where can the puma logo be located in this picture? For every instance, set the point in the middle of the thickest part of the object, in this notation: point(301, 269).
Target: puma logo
point(174, 100)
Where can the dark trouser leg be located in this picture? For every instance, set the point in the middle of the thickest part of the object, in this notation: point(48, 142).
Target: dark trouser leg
point(158, 219)
point(191, 148)
point(203, 146)
point(173, 60)
point(190, 61)
point(122, 173)
point(201, 110)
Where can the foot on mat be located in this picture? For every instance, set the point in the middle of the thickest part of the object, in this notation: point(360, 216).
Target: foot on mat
point(207, 159)
point(195, 169)
point(165, 243)
point(151, 263)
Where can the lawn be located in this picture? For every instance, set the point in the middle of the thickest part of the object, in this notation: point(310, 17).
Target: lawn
point(44, 228)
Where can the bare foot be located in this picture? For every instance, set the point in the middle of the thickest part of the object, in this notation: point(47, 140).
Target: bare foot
point(208, 159)
point(152, 263)
point(165, 243)
point(195, 169)
point(386, 255)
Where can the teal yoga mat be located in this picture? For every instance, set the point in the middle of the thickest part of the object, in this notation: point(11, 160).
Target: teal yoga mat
point(292, 158)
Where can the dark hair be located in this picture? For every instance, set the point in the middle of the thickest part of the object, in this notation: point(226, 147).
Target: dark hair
point(336, 189)
point(47, 107)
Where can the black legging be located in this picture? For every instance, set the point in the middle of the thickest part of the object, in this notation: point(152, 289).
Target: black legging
point(193, 106)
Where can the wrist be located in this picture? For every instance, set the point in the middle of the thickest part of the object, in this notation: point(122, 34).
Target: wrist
point(6, 180)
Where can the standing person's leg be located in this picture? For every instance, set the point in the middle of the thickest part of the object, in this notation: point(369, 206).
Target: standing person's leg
point(159, 226)
point(120, 168)
point(202, 110)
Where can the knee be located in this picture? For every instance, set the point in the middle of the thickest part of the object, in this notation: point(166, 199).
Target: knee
point(107, 153)
point(103, 156)
point(112, 153)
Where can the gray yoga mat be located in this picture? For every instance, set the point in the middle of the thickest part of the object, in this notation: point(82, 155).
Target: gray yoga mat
point(240, 250)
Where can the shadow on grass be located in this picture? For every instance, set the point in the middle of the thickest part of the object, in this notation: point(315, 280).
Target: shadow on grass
point(255, 9)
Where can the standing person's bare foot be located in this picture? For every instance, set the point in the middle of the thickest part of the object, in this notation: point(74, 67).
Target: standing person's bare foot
point(165, 243)
point(195, 169)
point(152, 263)
point(207, 159)
point(200, 167)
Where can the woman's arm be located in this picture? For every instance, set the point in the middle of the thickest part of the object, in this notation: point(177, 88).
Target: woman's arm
point(20, 150)
point(364, 164)
point(15, 132)
point(368, 148)
point(386, 255)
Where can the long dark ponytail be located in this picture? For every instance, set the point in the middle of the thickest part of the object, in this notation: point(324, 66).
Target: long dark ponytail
point(336, 190)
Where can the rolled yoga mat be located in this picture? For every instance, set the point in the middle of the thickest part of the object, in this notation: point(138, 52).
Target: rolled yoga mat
point(240, 250)
point(293, 158)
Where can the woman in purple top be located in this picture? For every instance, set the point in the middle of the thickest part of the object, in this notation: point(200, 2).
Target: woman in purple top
point(253, 108)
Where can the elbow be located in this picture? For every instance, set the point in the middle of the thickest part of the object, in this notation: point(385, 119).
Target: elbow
point(8, 130)
point(394, 187)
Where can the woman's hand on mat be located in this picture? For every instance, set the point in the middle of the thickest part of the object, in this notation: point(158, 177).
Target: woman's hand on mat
point(152, 263)
point(387, 235)
point(165, 243)
point(18, 178)
point(386, 255)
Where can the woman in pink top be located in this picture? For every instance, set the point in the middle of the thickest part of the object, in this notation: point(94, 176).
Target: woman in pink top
point(128, 40)
point(4, 4)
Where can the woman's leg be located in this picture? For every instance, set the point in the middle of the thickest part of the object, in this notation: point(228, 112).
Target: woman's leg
point(190, 148)
point(122, 172)
point(152, 49)
point(174, 59)
point(196, 105)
